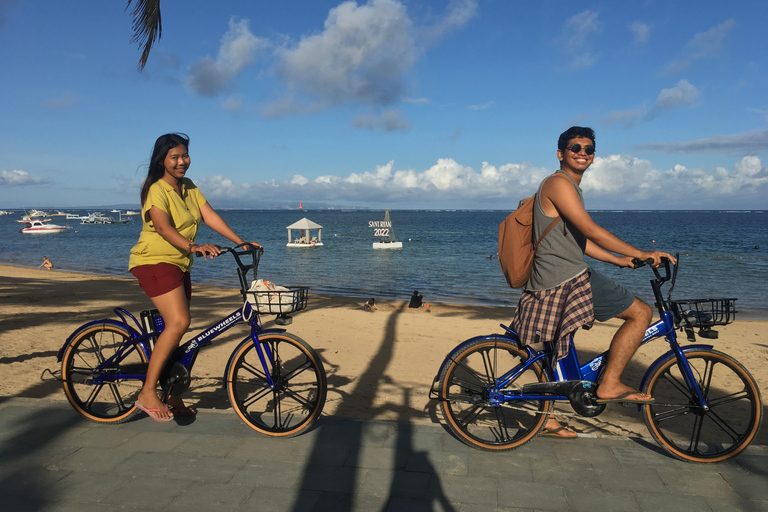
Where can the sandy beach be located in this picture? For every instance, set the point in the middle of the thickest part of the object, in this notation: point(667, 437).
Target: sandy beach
point(380, 364)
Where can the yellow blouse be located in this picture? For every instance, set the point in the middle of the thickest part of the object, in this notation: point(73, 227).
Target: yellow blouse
point(184, 212)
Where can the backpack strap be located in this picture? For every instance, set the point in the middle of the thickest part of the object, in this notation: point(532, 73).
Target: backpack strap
point(558, 219)
point(549, 228)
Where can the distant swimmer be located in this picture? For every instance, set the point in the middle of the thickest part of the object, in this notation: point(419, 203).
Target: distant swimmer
point(46, 263)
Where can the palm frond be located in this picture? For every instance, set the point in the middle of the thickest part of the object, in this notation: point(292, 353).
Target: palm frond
point(147, 26)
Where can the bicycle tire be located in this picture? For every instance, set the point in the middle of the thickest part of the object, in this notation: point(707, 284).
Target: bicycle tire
point(297, 399)
point(464, 385)
point(109, 402)
point(687, 431)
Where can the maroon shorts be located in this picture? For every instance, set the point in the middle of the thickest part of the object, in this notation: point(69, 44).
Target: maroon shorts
point(162, 278)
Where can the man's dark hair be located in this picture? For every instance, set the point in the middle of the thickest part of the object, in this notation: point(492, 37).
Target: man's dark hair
point(573, 132)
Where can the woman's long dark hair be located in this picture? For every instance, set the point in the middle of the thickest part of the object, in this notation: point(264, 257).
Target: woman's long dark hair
point(163, 145)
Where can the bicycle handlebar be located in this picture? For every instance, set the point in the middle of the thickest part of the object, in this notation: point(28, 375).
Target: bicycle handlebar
point(667, 269)
point(669, 274)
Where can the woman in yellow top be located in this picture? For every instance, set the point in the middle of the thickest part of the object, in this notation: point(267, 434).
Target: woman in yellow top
point(172, 208)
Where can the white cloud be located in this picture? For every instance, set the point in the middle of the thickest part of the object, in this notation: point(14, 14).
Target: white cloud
point(209, 77)
point(635, 180)
point(458, 14)
point(234, 103)
point(626, 118)
point(388, 121)
point(18, 178)
point(703, 46)
point(754, 142)
point(683, 93)
point(361, 56)
point(575, 37)
point(641, 32)
point(615, 181)
point(482, 107)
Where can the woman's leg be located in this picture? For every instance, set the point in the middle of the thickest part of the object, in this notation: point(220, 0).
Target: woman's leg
point(174, 308)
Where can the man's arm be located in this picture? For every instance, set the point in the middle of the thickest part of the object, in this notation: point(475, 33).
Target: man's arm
point(595, 251)
point(559, 197)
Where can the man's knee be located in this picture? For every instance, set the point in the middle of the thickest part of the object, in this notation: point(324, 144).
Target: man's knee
point(639, 311)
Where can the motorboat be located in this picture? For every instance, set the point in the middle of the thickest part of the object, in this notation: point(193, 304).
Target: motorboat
point(386, 235)
point(39, 227)
point(305, 235)
point(100, 218)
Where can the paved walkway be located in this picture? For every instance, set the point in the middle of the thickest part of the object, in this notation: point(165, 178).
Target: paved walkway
point(52, 460)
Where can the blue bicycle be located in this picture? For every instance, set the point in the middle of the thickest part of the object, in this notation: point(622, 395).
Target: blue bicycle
point(275, 381)
point(497, 395)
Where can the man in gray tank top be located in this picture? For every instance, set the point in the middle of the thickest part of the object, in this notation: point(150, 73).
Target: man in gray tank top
point(559, 258)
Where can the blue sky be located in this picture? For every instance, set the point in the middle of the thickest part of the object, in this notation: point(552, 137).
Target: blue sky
point(397, 104)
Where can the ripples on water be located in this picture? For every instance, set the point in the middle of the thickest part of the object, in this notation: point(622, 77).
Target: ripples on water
point(445, 254)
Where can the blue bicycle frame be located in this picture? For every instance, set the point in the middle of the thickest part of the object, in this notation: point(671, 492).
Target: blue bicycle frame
point(569, 369)
point(142, 339)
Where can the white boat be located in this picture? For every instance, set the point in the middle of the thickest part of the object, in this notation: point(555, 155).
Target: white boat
point(5, 212)
point(305, 235)
point(131, 212)
point(100, 218)
point(386, 235)
point(39, 227)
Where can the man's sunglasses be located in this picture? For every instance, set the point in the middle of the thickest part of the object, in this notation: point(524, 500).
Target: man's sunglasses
point(576, 148)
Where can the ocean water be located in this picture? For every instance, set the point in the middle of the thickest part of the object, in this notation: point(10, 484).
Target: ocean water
point(445, 254)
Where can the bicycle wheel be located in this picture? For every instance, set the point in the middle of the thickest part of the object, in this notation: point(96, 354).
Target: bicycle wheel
point(297, 398)
point(464, 385)
point(684, 428)
point(110, 401)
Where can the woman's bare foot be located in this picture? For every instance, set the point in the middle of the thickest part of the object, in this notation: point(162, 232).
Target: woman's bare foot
point(153, 406)
point(178, 408)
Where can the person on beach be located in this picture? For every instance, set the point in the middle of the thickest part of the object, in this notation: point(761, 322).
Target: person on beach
point(564, 292)
point(172, 208)
point(370, 305)
point(417, 301)
point(46, 263)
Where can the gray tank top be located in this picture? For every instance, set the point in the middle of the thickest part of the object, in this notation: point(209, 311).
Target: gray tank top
point(560, 255)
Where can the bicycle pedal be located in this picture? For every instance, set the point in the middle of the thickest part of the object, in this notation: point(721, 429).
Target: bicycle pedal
point(708, 333)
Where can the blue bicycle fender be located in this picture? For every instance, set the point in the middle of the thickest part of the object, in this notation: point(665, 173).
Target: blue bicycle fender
point(463, 344)
point(115, 323)
point(663, 358)
point(246, 341)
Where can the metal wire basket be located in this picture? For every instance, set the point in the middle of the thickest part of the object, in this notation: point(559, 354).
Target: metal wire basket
point(704, 312)
point(279, 302)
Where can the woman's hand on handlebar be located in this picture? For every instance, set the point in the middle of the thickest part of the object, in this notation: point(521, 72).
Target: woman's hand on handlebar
point(205, 250)
point(257, 245)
